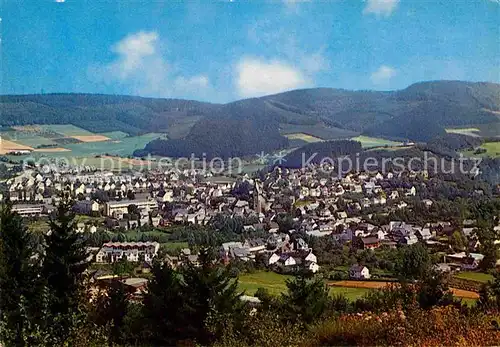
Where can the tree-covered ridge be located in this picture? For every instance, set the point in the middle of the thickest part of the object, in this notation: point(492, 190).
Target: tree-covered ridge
point(221, 137)
point(418, 112)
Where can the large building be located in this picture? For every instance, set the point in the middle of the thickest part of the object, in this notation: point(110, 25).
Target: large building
point(132, 251)
point(28, 210)
point(118, 208)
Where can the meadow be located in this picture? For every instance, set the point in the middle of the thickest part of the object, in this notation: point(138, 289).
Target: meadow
point(304, 137)
point(275, 284)
point(370, 142)
point(77, 145)
point(477, 130)
point(474, 276)
point(492, 150)
point(464, 131)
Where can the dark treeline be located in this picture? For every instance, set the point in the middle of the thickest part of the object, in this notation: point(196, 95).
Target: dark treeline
point(221, 137)
point(321, 152)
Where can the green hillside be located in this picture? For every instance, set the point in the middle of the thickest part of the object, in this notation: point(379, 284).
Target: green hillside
point(418, 113)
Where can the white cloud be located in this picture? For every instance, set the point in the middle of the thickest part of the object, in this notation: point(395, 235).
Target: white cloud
point(380, 8)
point(256, 77)
point(314, 62)
point(140, 66)
point(383, 75)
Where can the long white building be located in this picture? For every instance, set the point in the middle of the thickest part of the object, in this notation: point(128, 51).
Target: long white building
point(132, 251)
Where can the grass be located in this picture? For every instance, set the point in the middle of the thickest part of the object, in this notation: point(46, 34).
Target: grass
point(464, 131)
point(27, 139)
point(275, 284)
point(38, 226)
point(368, 142)
point(66, 129)
point(172, 246)
point(114, 135)
point(317, 130)
point(475, 276)
point(351, 294)
point(303, 137)
point(492, 150)
point(85, 153)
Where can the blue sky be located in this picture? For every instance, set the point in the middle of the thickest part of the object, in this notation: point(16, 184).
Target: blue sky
point(223, 51)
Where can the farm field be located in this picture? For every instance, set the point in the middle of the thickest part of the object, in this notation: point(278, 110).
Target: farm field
point(27, 138)
point(474, 276)
point(464, 131)
point(68, 130)
point(304, 137)
point(367, 142)
point(124, 147)
point(114, 135)
point(478, 130)
point(318, 130)
point(84, 152)
point(90, 138)
point(7, 146)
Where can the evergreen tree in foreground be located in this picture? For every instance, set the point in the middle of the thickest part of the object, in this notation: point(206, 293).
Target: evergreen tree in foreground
point(192, 302)
point(211, 295)
point(63, 267)
point(163, 306)
point(306, 300)
point(21, 288)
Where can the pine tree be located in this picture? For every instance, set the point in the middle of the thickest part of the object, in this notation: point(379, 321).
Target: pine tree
point(21, 287)
point(306, 300)
point(110, 309)
point(63, 268)
point(163, 306)
point(211, 297)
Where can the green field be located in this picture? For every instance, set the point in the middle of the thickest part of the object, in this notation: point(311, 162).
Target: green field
point(27, 138)
point(317, 130)
point(114, 135)
point(172, 246)
point(367, 142)
point(492, 150)
point(477, 130)
point(85, 153)
point(475, 276)
point(304, 137)
point(124, 147)
point(65, 129)
point(275, 284)
point(464, 131)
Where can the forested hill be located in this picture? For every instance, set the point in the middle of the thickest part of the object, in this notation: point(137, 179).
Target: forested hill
point(97, 112)
point(419, 113)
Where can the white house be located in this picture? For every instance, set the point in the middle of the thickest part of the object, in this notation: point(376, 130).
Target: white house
point(359, 272)
point(273, 259)
point(311, 257)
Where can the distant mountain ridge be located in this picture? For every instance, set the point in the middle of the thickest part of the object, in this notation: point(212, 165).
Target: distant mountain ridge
point(419, 113)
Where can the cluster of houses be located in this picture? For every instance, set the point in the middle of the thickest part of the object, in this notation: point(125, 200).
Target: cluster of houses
point(320, 205)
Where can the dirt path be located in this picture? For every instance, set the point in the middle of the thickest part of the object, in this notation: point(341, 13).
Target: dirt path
point(377, 285)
